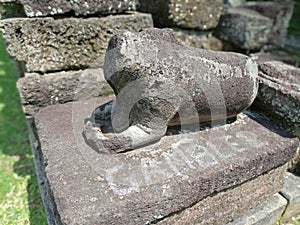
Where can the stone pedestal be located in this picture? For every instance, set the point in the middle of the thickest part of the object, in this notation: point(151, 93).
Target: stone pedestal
point(181, 176)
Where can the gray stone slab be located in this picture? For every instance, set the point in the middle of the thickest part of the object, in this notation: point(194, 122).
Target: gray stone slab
point(232, 203)
point(279, 93)
point(244, 28)
point(266, 213)
point(262, 57)
point(280, 13)
point(200, 14)
point(48, 44)
point(291, 191)
point(80, 7)
point(198, 39)
point(38, 91)
point(150, 183)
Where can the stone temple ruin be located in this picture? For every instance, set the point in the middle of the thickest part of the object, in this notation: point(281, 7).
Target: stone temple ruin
point(230, 165)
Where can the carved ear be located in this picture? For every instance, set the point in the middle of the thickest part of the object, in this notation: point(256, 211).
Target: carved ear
point(116, 40)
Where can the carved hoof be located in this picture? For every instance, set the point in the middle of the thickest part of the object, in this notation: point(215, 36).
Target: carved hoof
point(95, 138)
point(111, 143)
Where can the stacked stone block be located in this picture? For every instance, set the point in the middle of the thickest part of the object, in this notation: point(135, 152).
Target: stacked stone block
point(191, 20)
point(61, 45)
point(253, 25)
point(48, 46)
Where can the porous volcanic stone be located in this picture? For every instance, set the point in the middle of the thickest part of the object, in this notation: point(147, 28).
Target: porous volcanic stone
point(38, 91)
point(200, 14)
point(149, 184)
point(82, 7)
point(48, 44)
point(292, 194)
point(198, 39)
point(232, 203)
point(266, 213)
point(244, 28)
point(279, 93)
point(279, 12)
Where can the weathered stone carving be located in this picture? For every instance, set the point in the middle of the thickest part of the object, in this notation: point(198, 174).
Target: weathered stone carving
point(159, 82)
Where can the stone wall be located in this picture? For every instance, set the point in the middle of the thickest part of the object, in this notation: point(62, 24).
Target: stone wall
point(58, 36)
point(60, 46)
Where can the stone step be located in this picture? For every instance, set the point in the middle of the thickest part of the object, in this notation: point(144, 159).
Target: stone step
point(176, 176)
point(267, 213)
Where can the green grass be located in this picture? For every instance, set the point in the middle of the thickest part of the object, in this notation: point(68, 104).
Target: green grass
point(20, 201)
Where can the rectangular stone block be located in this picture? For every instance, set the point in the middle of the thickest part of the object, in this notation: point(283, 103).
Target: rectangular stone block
point(232, 203)
point(280, 13)
point(48, 44)
point(279, 98)
point(279, 93)
point(292, 194)
point(82, 7)
point(267, 213)
point(244, 28)
point(38, 91)
point(200, 14)
point(149, 184)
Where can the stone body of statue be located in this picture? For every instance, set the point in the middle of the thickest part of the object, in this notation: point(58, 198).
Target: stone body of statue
point(159, 82)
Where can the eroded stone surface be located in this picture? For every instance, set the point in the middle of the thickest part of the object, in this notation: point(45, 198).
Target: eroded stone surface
point(82, 7)
point(159, 81)
point(230, 204)
point(280, 13)
point(279, 93)
point(47, 44)
point(267, 213)
point(291, 192)
point(279, 98)
point(150, 183)
point(201, 14)
point(244, 28)
point(39, 91)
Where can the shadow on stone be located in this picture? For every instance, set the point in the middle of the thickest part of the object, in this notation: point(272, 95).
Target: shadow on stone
point(267, 123)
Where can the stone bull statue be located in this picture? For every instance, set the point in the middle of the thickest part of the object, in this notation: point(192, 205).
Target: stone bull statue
point(159, 82)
